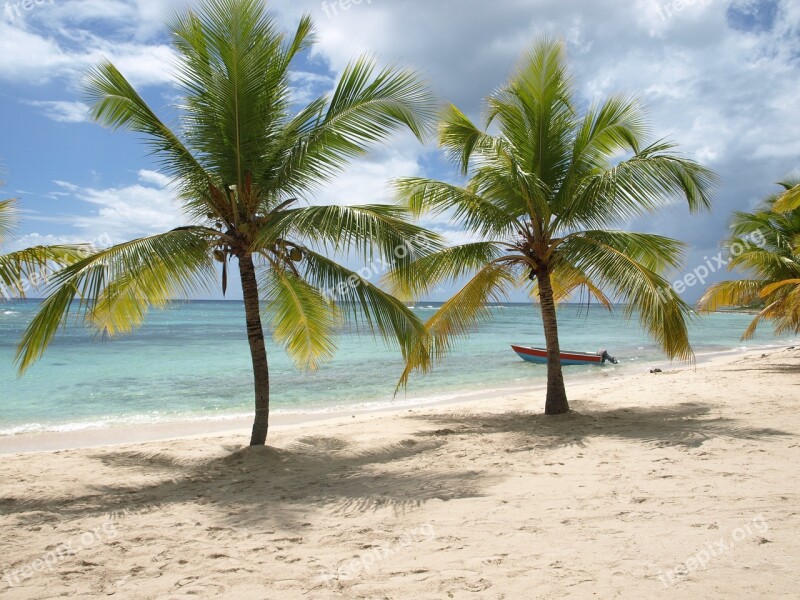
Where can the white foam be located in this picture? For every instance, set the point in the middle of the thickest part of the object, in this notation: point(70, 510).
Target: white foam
point(122, 420)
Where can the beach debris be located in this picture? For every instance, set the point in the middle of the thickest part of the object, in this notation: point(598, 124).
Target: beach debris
point(443, 432)
point(656, 371)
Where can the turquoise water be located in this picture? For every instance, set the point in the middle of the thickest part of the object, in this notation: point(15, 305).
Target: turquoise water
point(191, 362)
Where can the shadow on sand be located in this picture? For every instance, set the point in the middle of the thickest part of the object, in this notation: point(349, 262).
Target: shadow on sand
point(687, 424)
point(284, 486)
point(278, 486)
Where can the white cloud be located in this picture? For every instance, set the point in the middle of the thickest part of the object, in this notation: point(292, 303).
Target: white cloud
point(307, 86)
point(62, 111)
point(37, 56)
point(126, 212)
point(367, 182)
point(28, 57)
point(154, 178)
point(30, 240)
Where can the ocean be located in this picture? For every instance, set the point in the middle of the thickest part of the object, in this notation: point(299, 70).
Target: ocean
point(191, 362)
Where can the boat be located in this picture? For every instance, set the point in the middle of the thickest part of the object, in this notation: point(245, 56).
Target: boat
point(539, 355)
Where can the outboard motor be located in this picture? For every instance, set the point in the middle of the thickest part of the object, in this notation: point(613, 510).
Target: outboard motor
point(607, 357)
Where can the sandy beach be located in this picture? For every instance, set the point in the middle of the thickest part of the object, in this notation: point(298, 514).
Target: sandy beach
point(681, 484)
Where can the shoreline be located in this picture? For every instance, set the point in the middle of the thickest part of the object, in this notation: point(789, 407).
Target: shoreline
point(131, 433)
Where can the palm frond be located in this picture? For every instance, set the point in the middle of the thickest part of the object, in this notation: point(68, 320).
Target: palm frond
point(536, 117)
point(661, 311)
point(783, 311)
point(460, 138)
point(372, 230)
point(740, 292)
point(304, 320)
point(34, 266)
point(232, 67)
point(768, 264)
point(654, 252)
point(423, 275)
point(615, 126)
point(115, 287)
point(566, 279)
point(788, 201)
point(117, 105)
point(472, 211)
point(771, 288)
point(648, 181)
point(457, 317)
point(783, 308)
point(366, 107)
point(764, 245)
point(363, 303)
point(8, 218)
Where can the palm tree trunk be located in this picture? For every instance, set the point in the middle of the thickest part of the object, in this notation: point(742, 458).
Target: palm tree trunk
point(258, 351)
point(556, 402)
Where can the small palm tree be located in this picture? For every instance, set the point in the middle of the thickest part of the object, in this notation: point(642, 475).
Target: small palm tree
point(241, 159)
point(29, 268)
point(545, 185)
point(765, 244)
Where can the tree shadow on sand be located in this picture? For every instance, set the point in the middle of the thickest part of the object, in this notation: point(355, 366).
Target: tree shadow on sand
point(266, 485)
point(687, 424)
point(783, 368)
point(244, 487)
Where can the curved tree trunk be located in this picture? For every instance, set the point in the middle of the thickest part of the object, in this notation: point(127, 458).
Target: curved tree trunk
point(258, 351)
point(556, 402)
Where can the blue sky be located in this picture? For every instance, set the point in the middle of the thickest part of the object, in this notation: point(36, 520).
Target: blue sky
point(718, 77)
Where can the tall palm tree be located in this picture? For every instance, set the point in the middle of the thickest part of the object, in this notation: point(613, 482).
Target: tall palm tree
point(546, 184)
point(241, 159)
point(765, 245)
point(26, 269)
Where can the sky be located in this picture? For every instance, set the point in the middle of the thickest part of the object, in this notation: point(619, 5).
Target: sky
point(718, 77)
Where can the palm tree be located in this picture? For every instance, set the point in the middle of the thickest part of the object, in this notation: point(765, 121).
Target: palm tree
point(765, 244)
point(545, 185)
point(29, 268)
point(241, 160)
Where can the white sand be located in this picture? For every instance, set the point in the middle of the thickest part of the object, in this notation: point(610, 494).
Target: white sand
point(487, 499)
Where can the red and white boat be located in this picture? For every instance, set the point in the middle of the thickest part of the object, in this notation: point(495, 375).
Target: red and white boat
point(539, 355)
